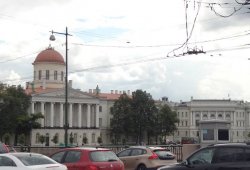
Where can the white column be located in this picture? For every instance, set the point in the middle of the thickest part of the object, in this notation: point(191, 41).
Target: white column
point(52, 114)
point(234, 114)
point(248, 118)
point(61, 115)
point(70, 115)
point(88, 115)
point(97, 116)
point(191, 118)
point(32, 107)
point(79, 115)
point(224, 115)
point(42, 111)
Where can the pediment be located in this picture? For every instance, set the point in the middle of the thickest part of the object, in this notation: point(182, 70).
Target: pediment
point(72, 93)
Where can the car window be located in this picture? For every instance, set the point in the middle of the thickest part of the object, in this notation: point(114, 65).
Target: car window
point(5, 161)
point(201, 157)
point(124, 153)
point(103, 156)
point(229, 155)
point(72, 156)
point(164, 154)
point(58, 156)
point(29, 160)
point(136, 152)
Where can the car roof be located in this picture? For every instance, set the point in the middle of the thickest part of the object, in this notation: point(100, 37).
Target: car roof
point(88, 148)
point(23, 153)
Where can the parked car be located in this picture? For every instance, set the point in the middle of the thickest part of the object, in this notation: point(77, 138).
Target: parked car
point(216, 157)
point(83, 158)
point(163, 153)
point(28, 161)
point(11, 148)
point(3, 148)
point(141, 158)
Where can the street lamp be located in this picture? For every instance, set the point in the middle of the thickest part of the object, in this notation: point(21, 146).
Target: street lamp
point(66, 124)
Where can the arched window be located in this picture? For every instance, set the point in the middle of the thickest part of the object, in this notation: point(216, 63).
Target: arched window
point(205, 116)
point(75, 138)
point(212, 116)
point(220, 116)
point(227, 116)
point(37, 137)
point(93, 138)
point(197, 115)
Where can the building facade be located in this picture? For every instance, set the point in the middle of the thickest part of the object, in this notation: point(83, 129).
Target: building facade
point(206, 121)
point(212, 121)
point(88, 112)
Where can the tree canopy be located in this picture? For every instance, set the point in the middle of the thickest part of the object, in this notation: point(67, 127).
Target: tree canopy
point(138, 117)
point(14, 104)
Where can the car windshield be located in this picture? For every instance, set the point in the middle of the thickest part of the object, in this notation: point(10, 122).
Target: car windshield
point(103, 156)
point(31, 159)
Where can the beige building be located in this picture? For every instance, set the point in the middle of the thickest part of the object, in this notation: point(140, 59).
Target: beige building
point(212, 121)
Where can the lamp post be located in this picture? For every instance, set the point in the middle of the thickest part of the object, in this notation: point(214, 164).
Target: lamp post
point(66, 124)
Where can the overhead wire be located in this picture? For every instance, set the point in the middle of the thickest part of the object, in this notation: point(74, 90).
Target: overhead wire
point(240, 47)
point(190, 34)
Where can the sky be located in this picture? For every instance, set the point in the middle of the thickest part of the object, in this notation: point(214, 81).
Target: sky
point(177, 49)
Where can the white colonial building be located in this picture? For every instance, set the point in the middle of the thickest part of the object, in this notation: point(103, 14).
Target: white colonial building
point(88, 112)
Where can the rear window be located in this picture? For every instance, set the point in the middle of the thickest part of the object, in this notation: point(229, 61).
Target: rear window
point(29, 160)
point(164, 154)
point(103, 156)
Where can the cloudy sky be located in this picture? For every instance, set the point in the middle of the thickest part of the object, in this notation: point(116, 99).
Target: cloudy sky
point(134, 44)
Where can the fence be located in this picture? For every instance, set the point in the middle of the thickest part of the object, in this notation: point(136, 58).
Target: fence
point(176, 149)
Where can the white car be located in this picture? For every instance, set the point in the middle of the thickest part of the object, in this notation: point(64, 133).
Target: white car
point(28, 161)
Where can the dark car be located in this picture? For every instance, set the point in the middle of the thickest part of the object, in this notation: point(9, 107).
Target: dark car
point(83, 158)
point(217, 157)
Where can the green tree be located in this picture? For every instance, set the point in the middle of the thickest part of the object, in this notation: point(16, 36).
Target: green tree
point(143, 111)
point(15, 103)
point(42, 139)
point(21, 139)
point(121, 121)
point(84, 140)
point(6, 138)
point(99, 139)
point(25, 123)
point(167, 120)
point(132, 116)
point(55, 139)
point(71, 138)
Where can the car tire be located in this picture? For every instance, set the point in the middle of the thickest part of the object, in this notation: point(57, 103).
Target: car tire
point(141, 167)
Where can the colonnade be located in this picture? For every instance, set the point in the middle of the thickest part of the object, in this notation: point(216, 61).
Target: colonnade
point(79, 114)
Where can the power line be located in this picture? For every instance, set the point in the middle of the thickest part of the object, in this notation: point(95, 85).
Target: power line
point(190, 34)
point(241, 47)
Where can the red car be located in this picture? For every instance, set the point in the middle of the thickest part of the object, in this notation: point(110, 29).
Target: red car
point(82, 158)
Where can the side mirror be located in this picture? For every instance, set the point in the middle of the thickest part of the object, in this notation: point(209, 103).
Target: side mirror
point(185, 163)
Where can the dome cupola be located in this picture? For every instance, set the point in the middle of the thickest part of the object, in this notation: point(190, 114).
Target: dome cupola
point(49, 55)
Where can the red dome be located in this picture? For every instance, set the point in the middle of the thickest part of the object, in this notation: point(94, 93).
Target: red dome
point(49, 55)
